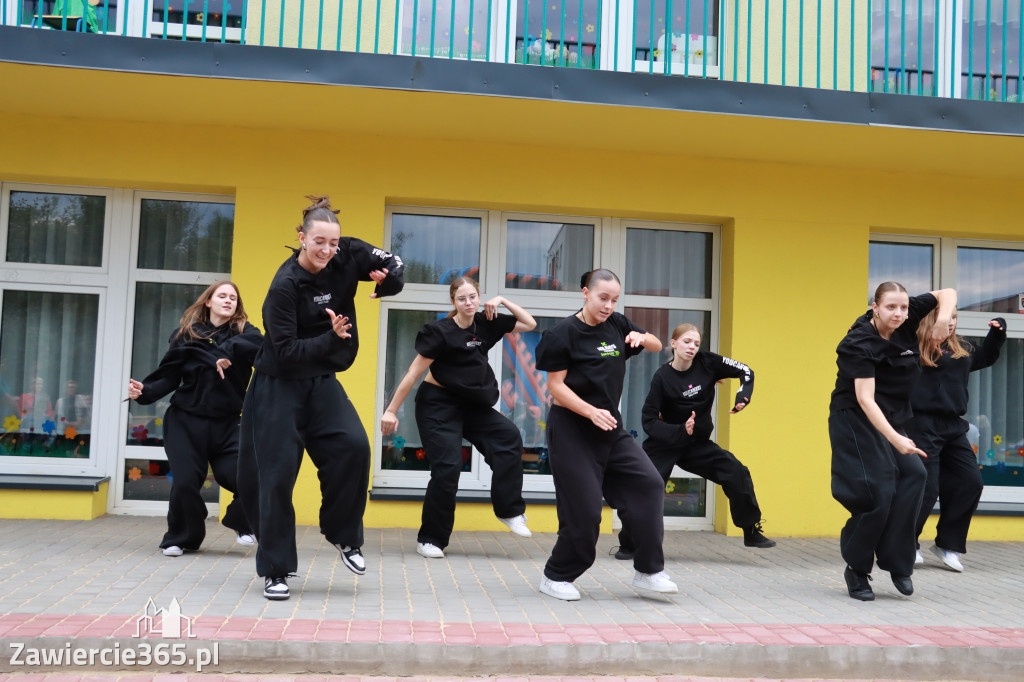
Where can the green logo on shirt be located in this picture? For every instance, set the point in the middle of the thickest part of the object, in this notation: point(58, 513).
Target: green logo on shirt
point(608, 349)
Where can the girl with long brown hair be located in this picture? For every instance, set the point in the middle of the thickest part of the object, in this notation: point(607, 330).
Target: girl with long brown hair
point(939, 402)
point(455, 401)
point(207, 365)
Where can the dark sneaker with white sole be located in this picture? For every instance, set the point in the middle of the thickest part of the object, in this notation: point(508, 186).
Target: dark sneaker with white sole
point(276, 589)
point(352, 558)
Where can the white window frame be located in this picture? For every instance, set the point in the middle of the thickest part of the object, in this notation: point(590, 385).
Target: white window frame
point(970, 323)
point(609, 252)
point(109, 344)
point(133, 276)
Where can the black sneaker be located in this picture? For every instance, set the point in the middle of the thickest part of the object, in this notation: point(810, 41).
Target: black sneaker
point(858, 585)
point(353, 559)
point(622, 554)
point(753, 537)
point(276, 589)
point(903, 583)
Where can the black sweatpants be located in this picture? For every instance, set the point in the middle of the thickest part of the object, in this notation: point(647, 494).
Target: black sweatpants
point(587, 463)
point(881, 489)
point(194, 445)
point(707, 460)
point(953, 477)
point(443, 421)
point(280, 417)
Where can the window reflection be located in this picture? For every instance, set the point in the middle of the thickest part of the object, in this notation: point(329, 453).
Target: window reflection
point(668, 263)
point(524, 393)
point(548, 256)
point(908, 264)
point(436, 249)
point(56, 229)
point(989, 280)
point(47, 364)
point(693, 26)
point(994, 408)
point(186, 235)
point(903, 57)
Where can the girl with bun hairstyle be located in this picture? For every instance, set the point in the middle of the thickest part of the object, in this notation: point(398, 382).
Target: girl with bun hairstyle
point(590, 453)
point(296, 403)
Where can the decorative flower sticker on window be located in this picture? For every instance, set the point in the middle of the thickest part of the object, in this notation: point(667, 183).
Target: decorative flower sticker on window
point(1020, 452)
point(49, 426)
point(134, 473)
point(158, 421)
point(70, 433)
point(698, 54)
point(590, 28)
point(139, 433)
point(633, 433)
point(997, 439)
point(657, 53)
point(399, 442)
point(11, 423)
point(670, 487)
point(991, 454)
point(420, 454)
point(543, 426)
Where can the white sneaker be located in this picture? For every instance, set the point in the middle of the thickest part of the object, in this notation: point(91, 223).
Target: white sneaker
point(919, 559)
point(173, 550)
point(951, 559)
point(247, 539)
point(559, 589)
point(655, 582)
point(276, 589)
point(517, 524)
point(429, 551)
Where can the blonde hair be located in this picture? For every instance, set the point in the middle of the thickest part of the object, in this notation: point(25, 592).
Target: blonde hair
point(683, 328)
point(929, 353)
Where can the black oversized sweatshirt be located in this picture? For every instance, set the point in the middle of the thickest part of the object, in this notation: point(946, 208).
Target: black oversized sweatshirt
point(301, 343)
point(942, 390)
point(674, 394)
point(189, 368)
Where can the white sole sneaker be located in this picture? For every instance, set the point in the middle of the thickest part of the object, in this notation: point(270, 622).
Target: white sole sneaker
point(655, 582)
point(425, 549)
point(173, 550)
point(517, 524)
point(246, 539)
point(950, 559)
point(919, 559)
point(563, 590)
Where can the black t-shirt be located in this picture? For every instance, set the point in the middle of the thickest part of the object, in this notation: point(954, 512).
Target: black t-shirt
point(189, 368)
point(675, 394)
point(595, 357)
point(895, 364)
point(460, 355)
point(301, 342)
point(942, 389)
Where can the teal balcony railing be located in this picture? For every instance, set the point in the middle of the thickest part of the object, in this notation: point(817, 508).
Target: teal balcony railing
point(945, 48)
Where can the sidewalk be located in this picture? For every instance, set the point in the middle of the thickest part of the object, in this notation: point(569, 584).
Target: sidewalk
point(775, 613)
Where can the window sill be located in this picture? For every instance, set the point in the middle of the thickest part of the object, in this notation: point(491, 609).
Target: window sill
point(46, 482)
point(479, 496)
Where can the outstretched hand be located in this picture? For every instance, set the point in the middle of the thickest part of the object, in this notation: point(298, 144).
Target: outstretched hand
point(378, 276)
point(635, 339)
point(739, 406)
point(340, 324)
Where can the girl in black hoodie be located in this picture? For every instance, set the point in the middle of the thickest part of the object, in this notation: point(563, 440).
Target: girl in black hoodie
point(939, 402)
point(207, 366)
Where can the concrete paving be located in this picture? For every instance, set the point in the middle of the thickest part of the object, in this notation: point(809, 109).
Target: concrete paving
point(765, 614)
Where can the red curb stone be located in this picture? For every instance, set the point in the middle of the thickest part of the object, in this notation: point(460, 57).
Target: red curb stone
point(330, 636)
point(363, 636)
point(403, 637)
point(492, 639)
point(428, 638)
point(459, 639)
point(364, 625)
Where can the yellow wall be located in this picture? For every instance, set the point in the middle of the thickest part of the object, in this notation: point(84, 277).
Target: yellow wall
point(794, 235)
point(66, 505)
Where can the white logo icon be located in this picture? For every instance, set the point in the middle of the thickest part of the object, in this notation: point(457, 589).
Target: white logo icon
point(168, 623)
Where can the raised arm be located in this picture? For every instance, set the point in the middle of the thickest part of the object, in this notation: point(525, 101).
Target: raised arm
point(865, 390)
point(734, 369)
point(987, 355)
point(946, 305)
point(524, 320)
point(389, 421)
point(380, 266)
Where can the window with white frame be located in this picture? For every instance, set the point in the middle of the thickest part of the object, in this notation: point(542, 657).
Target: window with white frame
point(669, 274)
point(78, 317)
point(989, 279)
